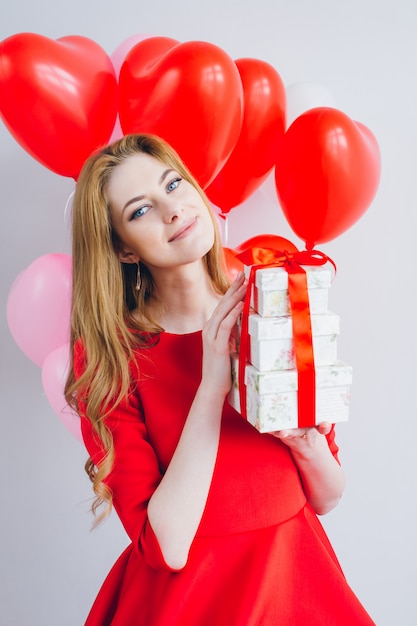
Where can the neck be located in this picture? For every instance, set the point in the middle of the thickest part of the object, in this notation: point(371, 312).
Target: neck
point(185, 299)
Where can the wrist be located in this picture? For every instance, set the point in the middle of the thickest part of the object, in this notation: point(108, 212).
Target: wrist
point(310, 446)
point(208, 395)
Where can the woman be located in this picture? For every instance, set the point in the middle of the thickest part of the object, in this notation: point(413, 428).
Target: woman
point(222, 520)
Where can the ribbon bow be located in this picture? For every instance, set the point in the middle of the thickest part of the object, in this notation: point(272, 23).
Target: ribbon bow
point(263, 258)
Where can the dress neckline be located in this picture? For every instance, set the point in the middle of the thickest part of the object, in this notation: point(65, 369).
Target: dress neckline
point(168, 334)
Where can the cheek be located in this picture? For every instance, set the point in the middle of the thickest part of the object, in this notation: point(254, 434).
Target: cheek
point(138, 237)
point(207, 239)
point(210, 228)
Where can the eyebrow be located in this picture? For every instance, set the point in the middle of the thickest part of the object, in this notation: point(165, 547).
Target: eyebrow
point(139, 198)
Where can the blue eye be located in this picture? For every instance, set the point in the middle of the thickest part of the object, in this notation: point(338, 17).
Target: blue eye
point(140, 212)
point(173, 184)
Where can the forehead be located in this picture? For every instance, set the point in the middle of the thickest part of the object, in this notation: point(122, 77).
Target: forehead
point(133, 177)
point(137, 167)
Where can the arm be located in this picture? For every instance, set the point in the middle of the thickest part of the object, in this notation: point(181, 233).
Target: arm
point(176, 507)
point(321, 474)
point(161, 513)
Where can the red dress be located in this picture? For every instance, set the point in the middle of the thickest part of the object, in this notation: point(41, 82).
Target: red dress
point(260, 556)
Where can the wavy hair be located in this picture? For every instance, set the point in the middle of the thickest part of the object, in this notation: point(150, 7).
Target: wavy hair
point(104, 296)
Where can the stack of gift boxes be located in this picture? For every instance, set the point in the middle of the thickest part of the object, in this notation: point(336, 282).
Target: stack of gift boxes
point(271, 376)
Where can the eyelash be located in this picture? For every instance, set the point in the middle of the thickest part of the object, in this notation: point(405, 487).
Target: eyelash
point(176, 180)
point(136, 212)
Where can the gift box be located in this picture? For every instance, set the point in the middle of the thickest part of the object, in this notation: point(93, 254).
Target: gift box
point(272, 397)
point(271, 341)
point(270, 290)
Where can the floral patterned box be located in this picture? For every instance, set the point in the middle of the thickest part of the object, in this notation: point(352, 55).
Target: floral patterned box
point(272, 397)
point(271, 341)
point(270, 292)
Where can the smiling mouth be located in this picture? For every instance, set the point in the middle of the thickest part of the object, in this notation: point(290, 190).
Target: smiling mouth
point(183, 231)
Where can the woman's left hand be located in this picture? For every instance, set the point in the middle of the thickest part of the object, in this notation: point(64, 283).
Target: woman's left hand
point(322, 476)
point(301, 439)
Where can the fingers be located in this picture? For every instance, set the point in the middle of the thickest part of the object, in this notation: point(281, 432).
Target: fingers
point(233, 295)
point(217, 333)
point(231, 307)
point(293, 433)
point(235, 291)
point(227, 311)
point(324, 428)
point(303, 433)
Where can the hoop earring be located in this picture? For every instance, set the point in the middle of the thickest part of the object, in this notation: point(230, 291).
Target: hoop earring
point(138, 279)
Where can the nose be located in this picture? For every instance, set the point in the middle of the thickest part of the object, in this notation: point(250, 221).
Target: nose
point(171, 210)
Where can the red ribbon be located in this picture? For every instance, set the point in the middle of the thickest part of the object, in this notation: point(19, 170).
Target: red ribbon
point(263, 258)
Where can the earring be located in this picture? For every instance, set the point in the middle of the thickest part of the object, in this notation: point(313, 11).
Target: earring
point(138, 279)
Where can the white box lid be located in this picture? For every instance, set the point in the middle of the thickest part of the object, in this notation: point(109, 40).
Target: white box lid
point(263, 328)
point(276, 278)
point(287, 380)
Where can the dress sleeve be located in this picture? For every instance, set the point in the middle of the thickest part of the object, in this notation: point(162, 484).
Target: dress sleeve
point(331, 440)
point(135, 474)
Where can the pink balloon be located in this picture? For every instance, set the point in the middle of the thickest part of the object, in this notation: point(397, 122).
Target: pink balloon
point(54, 375)
point(117, 57)
point(38, 306)
point(117, 132)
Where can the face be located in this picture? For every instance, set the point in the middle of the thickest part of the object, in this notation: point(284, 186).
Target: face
point(160, 218)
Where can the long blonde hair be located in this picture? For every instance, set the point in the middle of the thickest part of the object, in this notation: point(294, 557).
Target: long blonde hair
point(104, 295)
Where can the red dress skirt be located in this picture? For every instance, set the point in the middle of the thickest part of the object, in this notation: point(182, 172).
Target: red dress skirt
point(260, 556)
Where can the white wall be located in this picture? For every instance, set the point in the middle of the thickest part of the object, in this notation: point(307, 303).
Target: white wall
point(365, 53)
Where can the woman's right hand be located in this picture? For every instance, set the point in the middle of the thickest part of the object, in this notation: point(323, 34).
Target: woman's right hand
point(217, 333)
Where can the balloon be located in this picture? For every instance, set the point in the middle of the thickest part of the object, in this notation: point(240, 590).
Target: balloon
point(190, 94)
point(274, 242)
point(326, 174)
point(54, 375)
point(257, 148)
point(38, 306)
point(117, 58)
point(304, 96)
point(57, 98)
point(117, 131)
point(119, 54)
point(232, 264)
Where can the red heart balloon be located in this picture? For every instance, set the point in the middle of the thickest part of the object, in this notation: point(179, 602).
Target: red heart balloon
point(327, 174)
point(190, 94)
point(257, 148)
point(57, 98)
point(232, 264)
point(268, 241)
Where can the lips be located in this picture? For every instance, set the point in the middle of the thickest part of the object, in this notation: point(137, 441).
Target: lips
point(183, 230)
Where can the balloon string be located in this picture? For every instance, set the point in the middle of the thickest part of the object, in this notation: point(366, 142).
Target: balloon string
point(225, 230)
point(67, 205)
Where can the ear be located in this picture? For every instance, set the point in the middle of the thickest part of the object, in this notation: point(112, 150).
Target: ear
point(126, 256)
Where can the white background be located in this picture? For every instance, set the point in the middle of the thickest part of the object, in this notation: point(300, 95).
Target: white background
point(365, 53)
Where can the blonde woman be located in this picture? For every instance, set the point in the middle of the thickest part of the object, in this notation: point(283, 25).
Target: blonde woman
point(222, 519)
